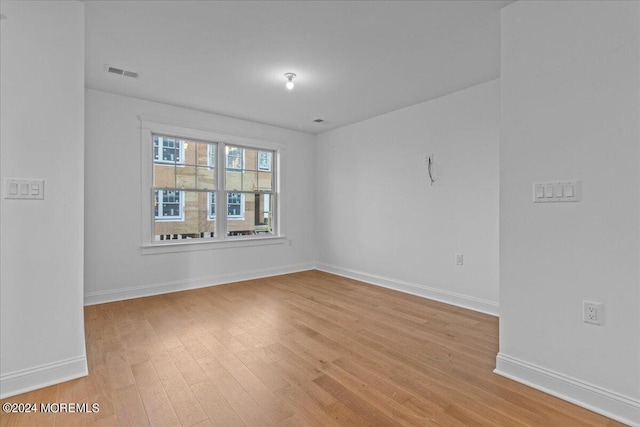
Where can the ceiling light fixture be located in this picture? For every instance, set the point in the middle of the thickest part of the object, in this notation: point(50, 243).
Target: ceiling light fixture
point(289, 77)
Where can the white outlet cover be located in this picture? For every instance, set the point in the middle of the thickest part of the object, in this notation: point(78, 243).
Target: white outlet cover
point(592, 312)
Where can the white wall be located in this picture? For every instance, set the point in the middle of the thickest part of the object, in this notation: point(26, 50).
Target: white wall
point(115, 268)
point(571, 110)
point(42, 122)
point(379, 219)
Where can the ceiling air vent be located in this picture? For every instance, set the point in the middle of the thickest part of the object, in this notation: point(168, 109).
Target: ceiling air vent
point(115, 70)
point(130, 74)
point(121, 72)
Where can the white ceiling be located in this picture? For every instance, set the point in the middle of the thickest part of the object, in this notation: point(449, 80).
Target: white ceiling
point(353, 59)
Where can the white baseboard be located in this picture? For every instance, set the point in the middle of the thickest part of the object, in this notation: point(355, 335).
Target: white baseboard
point(610, 404)
point(92, 298)
point(464, 301)
point(41, 376)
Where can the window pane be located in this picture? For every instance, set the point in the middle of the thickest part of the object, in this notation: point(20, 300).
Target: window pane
point(235, 208)
point(164, 175)
point(265, 181)
point(250, 159)
point(264, 160)
point(206, 177)
point(199, 153)
point(190, 149)
point(167, 149)
point(249, 181)
point(253, 216)
point(239, 218)
point(264, 214)
point(156, 205)
point(186, 177)
point(193, 221)
point(235, 158)
point(168, 205)
point(207, 155)
point(168, 153)
point(242, 181)
point(248, 169)
point(211, 208)
point(233, 180)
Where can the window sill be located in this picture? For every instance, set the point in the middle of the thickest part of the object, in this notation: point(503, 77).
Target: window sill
point(229, 242)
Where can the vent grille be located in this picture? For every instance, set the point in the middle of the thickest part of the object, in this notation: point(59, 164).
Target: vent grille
point(115, 70)
point(130, 74)
point(121, 72)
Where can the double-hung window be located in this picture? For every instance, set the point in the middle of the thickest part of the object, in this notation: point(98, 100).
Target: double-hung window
point(211, 189)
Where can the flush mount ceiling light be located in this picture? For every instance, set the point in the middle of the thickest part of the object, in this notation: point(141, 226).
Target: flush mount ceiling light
point(289, 77)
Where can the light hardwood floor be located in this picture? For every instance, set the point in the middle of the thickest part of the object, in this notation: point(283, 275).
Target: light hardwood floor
point(296, 350)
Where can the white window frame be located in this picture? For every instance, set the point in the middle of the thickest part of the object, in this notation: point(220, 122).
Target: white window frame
point(160, 126)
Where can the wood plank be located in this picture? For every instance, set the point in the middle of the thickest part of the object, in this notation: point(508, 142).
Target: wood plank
point(118, 369)
point(308, 410)
point(129, 407)
point(186, 406)
point(187, 365)
point(227, 386)
point(267, 373)
point(154, 397)
point(365, 410)
point(217, 408)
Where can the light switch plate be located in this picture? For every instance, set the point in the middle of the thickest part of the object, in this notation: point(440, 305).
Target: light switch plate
point(555, 192)
point(24, 189)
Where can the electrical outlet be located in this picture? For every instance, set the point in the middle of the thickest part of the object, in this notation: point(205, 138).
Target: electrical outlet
point(592, 312)
point(459, 259)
